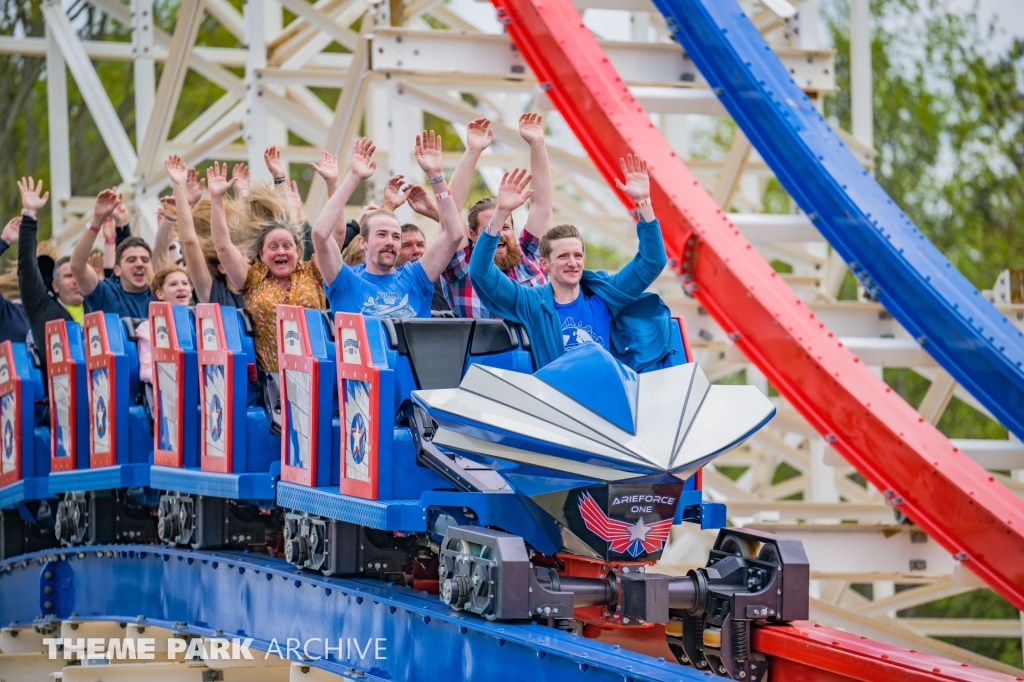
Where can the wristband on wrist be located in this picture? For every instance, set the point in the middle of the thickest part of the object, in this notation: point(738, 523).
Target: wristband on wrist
point(436, 179)
point(30, 212)
point(643, 202)
point(280, 181)
point(92, 228)
point(443, 195)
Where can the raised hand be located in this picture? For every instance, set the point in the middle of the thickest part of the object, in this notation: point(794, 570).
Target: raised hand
point(272, 157)
point(360, 163)
point(240, 174)
point(176, 169)
point(106, 202)
point(195, 186)
point(30, 189)
point(120, 215)
point(11, 229)
point(428, 153)
point(217, 181)
point(328, 168)
point(291, 193)
point(422, 201)
point(479, 135)
point(531, 127)
point(395, 192)
point(109, 230)
point(168, 209)
point(637, 184)
point(512, 192)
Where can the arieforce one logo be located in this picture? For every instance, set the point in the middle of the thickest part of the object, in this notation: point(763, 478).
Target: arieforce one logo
point(643, 499)
point(623, 537)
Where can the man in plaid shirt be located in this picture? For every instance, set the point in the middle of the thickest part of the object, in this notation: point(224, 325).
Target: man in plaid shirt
point(519, 258)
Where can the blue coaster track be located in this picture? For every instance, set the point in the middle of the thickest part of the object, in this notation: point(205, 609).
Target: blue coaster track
point(892, 258)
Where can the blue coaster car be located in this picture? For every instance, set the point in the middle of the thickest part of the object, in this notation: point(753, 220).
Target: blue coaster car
point(105, 498)
point(26, 509)
point(214, 488)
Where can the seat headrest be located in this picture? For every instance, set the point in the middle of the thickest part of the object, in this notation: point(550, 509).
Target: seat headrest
point(130, 325)
point(246, 321)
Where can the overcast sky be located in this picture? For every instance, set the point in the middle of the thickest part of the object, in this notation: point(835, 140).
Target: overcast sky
point(1010, 14)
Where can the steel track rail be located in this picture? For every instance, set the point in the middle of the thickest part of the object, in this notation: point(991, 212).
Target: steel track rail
point(967, 511)
point(230, 594)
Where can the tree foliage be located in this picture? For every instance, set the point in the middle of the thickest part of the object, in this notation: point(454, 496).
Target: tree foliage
point(949, 126)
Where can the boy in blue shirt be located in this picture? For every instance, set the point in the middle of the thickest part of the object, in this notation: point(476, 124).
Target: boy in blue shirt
point(383, 288)
point(580, 306)
point(127, 294)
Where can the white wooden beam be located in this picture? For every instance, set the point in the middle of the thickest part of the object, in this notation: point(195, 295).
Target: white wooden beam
point(342, 34)
point(96, 98)
point(171, 80)
point(144, 66)
point(228, 17)
point(347, 115)
point(59, 135)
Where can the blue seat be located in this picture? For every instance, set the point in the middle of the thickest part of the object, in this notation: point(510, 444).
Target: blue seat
point(24, 449)
point(175, 389)
point(309, 397)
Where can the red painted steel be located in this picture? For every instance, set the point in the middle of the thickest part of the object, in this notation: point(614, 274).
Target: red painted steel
point(948, 495)
point(805, 651)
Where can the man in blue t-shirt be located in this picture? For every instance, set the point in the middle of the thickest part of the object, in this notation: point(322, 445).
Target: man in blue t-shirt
point(579, 306)
point(382, 288)
point(127, 293)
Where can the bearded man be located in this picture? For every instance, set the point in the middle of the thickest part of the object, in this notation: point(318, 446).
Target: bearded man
point(518, 259)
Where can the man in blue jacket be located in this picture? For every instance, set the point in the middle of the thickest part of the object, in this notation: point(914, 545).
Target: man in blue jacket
point(580, 306)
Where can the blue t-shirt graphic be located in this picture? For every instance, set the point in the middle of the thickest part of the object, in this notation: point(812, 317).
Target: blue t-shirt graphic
point(585, 320)
point(404, 293)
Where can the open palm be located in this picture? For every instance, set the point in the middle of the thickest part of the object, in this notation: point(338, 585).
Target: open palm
point(361, 163)
point(30, 194)
point(637, 183)
point(428, 153)
point(531, 127)
point(176, 169)
point(513, 193)
point(479, 134)
point(216, 179)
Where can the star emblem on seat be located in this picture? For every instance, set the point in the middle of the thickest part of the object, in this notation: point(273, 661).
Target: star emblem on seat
point(622, 537)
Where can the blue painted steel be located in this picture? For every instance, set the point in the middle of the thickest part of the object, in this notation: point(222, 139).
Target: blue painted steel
point(190, 411)
point(199, 593)
point(255, 448)
point(23, 490)
point(100, 478)
point(321, 346)
point(256, 487)
point(134, 441)
point(593, 378)
point(397, 514)
point(512, 513)
point(965, 333)
point(35, 442)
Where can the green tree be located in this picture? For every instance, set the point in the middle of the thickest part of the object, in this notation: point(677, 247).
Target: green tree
point(949, 126)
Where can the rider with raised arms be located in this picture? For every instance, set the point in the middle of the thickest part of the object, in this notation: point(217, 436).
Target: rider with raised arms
point(580, 306)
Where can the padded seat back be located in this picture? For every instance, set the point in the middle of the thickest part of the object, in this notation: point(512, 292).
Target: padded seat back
point(439, 350)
